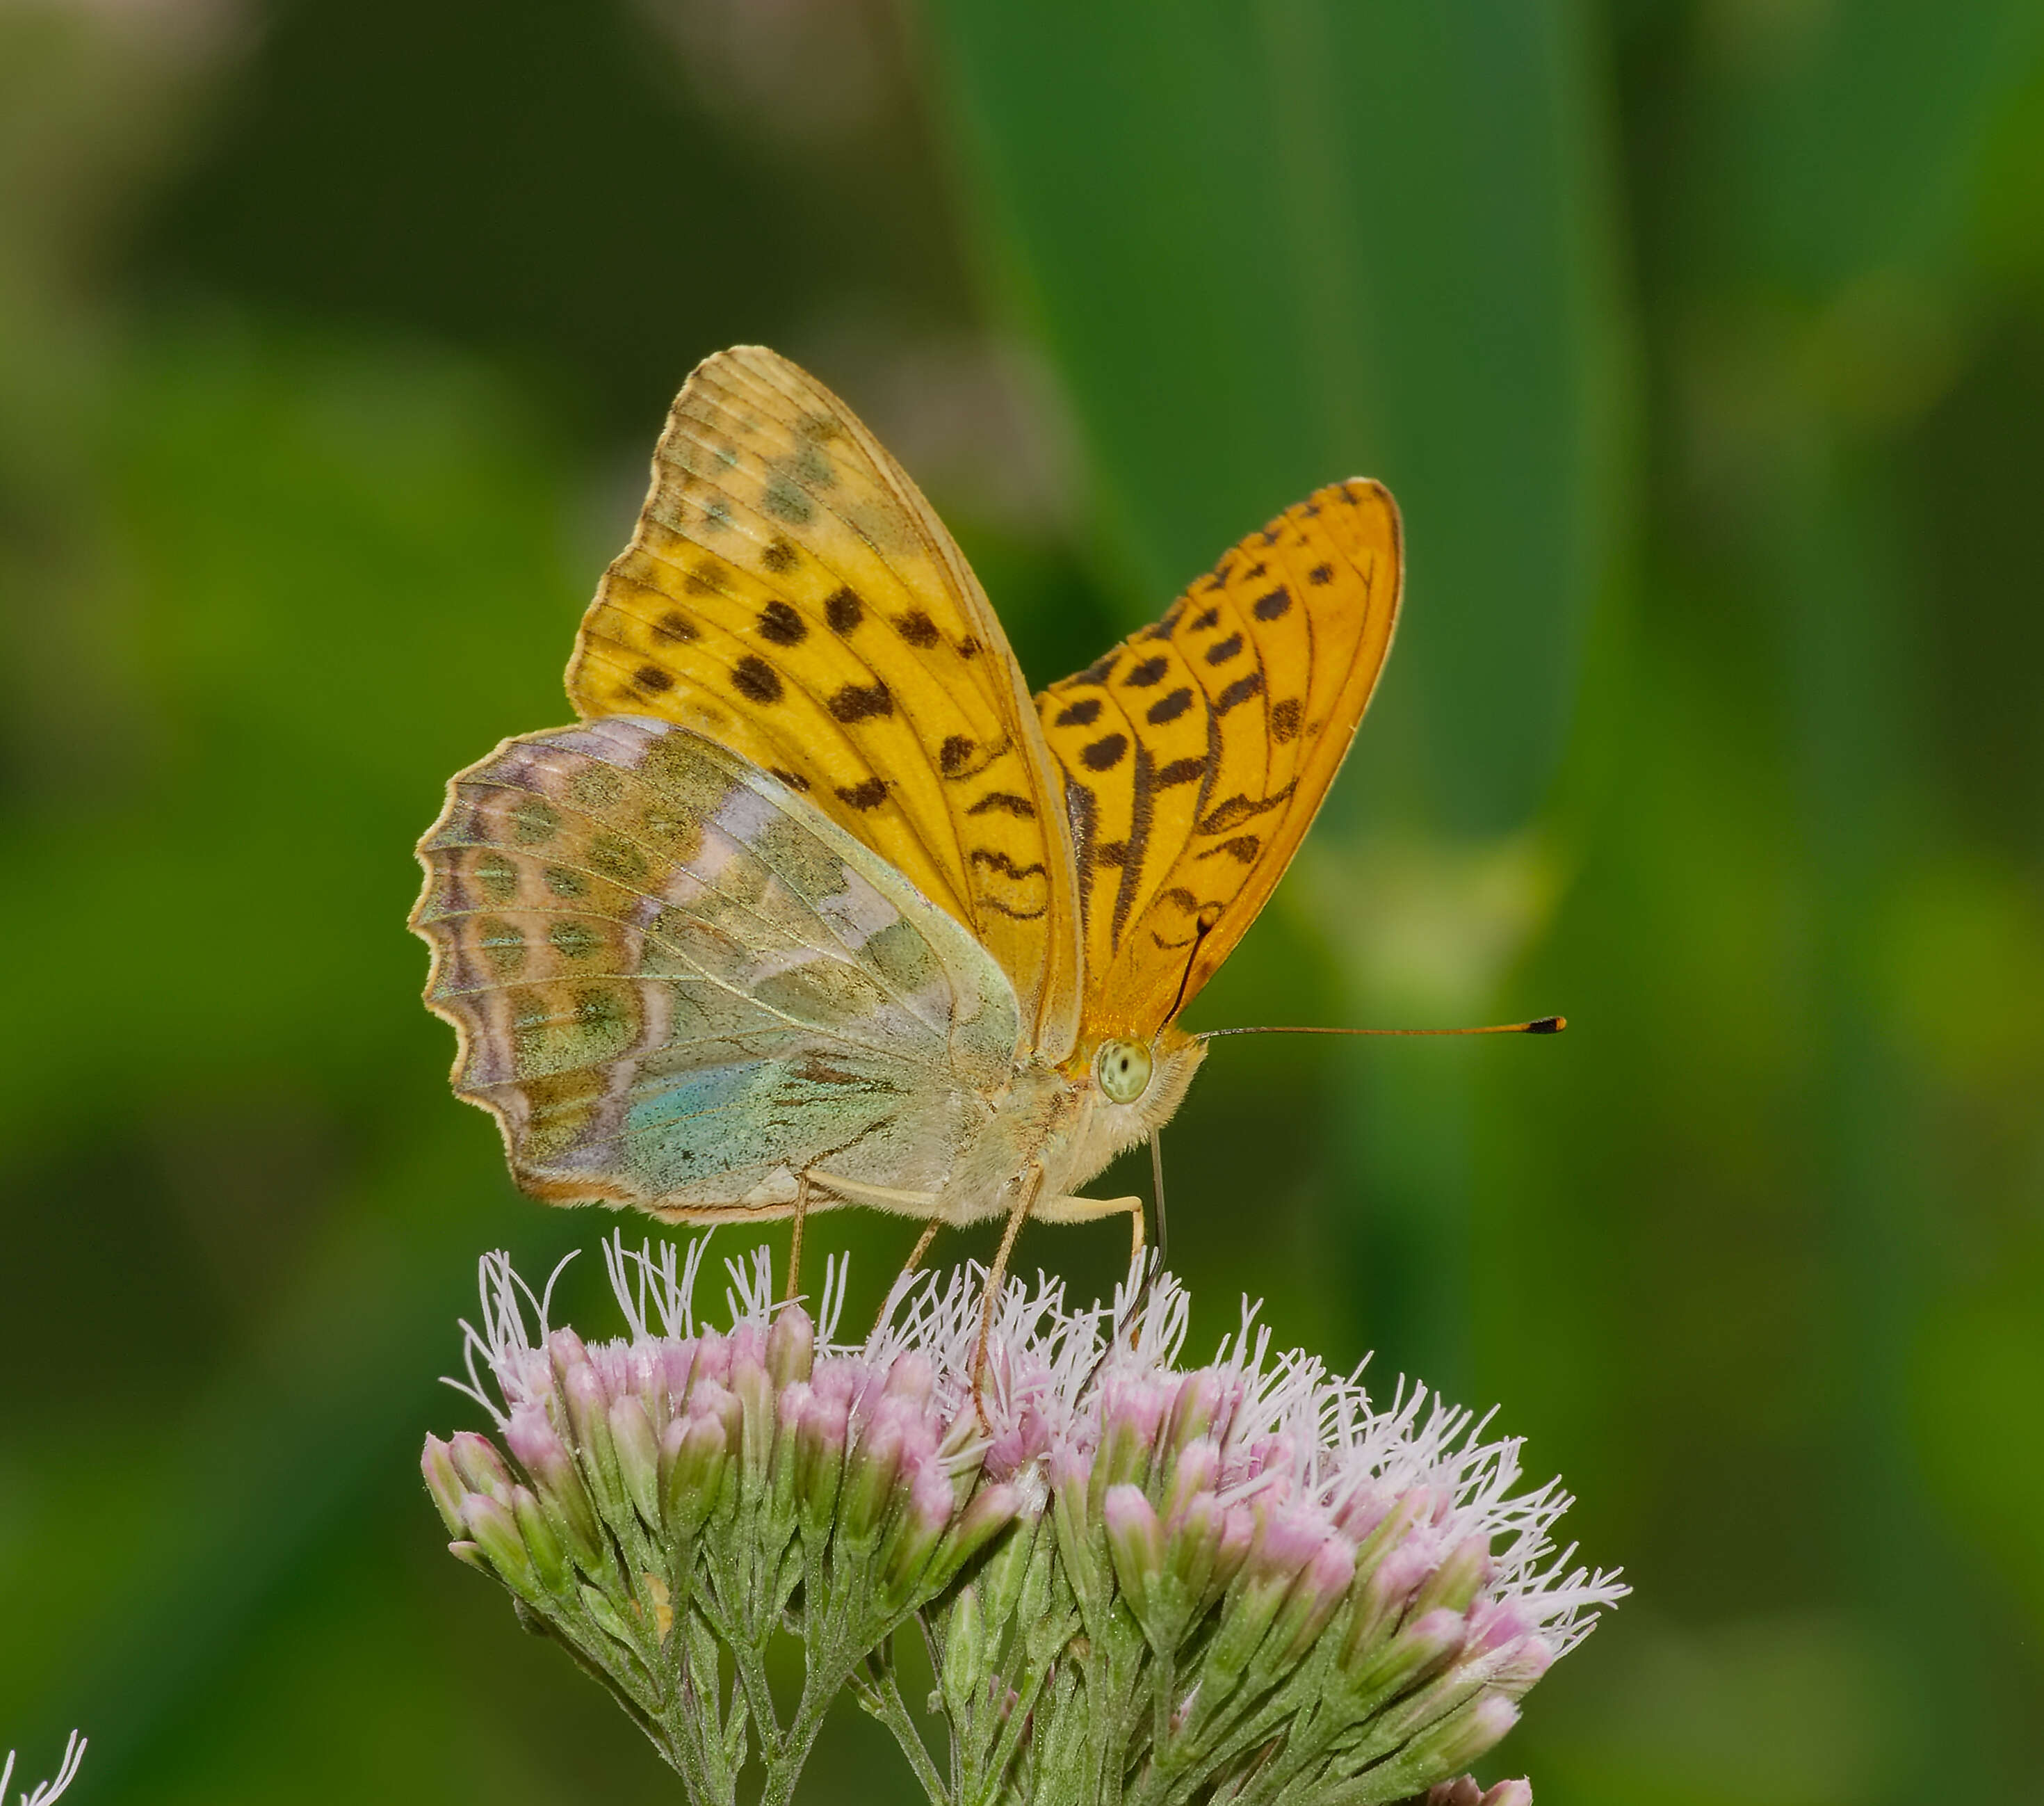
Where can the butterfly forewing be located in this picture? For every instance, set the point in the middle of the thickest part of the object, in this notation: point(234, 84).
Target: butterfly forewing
point(1196, 753)
point(678, 985)
point(789, 594)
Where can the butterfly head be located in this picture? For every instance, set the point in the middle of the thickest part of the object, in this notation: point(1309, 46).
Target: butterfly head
point(1133, 1087)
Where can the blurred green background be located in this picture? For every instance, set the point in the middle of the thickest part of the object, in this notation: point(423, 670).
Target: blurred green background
point(1703, 341)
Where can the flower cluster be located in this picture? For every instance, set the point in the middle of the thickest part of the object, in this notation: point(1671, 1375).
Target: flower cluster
point(1137, 1583)
point(675, 1494)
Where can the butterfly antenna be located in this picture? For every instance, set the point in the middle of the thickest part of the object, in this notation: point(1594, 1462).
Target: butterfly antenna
point(1539, 1025)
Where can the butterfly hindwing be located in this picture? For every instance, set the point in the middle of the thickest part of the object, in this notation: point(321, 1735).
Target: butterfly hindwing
point(789, 594)
point(1196, 753)
point(678, 985)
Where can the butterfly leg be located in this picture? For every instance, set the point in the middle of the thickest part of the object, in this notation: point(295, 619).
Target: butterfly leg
point(922, 1247)
point(1092, 1210)
point(1025, 1195)
point(795, 1233)
point(914, 1260)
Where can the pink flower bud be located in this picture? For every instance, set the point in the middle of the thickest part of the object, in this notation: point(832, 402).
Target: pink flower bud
point(549, 1558)
point(1419, 1650)
point(1195, 1469)
point(869, 1480)
point(1131, 1410)
point(992, 1510)
point(1192, 1545)
point(1456, 1582)
point(481, 1469)
point(1462, 1737)
point(820, 1443)
point(712, 1359)
point(791, 1347)
point(638, 1452)
point(921, 1519)
point(1195, 1408)
point(1238, 1537)
point(1520, 1665)
point(490, 1522)
point(753, 1388)
point(709, 1402)
point(543, 1456)
point(566, 1349)
point(1494, 1622)
point(1315, 1595)
point(443, 1483)
point(646, 1376)
point(694, 1452)
point(1135, 1538)
point(911, 1378)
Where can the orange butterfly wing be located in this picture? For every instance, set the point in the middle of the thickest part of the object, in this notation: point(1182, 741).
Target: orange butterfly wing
point(1196, 753)
point(789, 594)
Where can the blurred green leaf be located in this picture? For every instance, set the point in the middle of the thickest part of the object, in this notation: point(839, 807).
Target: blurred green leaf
point(1271, 246)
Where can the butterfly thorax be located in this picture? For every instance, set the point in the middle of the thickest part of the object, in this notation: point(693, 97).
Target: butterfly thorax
point(1061, 1121)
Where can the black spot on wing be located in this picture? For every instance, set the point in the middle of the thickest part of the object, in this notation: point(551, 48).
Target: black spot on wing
point(1238, 809)
point(861, 701)
point(652, 678)
point(1272, 605)
point(1182, 771)
point(780, 556)
point(1004, 802)
point(1105, 753)
point(1243, 847)
point(955, 755)
point(1221, 651)
point(1164, 629)
point(1141, 677)
point(1082, 714)
point(1239, 691)
point(756, 680)
point(917, 628)
point(1321, 574)
point(676, 628)
point(998, 861)
point(869, 795)
point(1169, 708)
point(779, 623)
point(844, 610)
point(1284, 720)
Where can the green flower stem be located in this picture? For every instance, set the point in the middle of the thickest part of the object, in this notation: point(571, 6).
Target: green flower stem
point(879, 1694)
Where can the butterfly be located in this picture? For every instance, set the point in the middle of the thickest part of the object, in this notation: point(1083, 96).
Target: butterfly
point(815, 905)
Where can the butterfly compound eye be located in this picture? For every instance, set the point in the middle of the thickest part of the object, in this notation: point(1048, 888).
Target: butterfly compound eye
point(1123, 1069)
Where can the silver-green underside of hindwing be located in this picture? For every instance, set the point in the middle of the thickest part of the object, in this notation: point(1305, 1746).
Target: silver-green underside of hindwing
point(677, 984)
